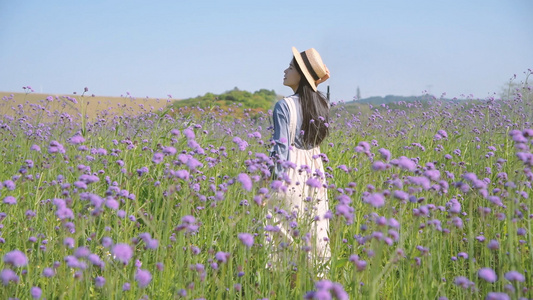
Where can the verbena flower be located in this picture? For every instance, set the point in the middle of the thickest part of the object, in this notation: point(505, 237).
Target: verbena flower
point(35, 292)
point(385, 154)
point(189, 134)
point(380, 166)
point(77, 139)
point(8, 275)
point(48, 272)
point(122, 253)
point(514, 276)
point(326, 289)
point(64, 213)
point(157, 158)
point(143, 277)
point(313, 182)
point(376, 199)
point(487, 274)
point(493, 245)
point(99, 281)
point(16, 258)
point(404, 163)
point(245, 180)
point(247, 239)
point(463, 282)
point(10, 200)
point(497, 296)
point(126, 286)
point(10, 185)
point(222, 256)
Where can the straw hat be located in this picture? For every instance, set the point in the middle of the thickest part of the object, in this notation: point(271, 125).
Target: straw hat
point(311, 65)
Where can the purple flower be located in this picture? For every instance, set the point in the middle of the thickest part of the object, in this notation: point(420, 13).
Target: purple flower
point(69, 242)
point(95, 260)
point(189, 134)
point(313, 182)
point(142, 171)
point(48, 272)
point(56, 147)
point(497, 296)
point(442, 133)
point(160, 266)
point(9, 184)
point(487, 274)
point(495, 200)
point(514, 276)
point(8, 275)
point(111, 203)
point(493, 245)
point(152, 244)
point(404, 163)
point(326, 289)
point(143, 277)
point(81, 252)
point(122, 252)
point(458, 222)
point(360, 265)
point(380, 166)
point(454, 206)
point(99, 281)
point(376, 200)
point(16, 258)
point(169, 150)
point(35, 292)
point(222, 256)
point(10, 200)
point(400, 195)
point(158, 158)
point(126, 286)
point(182, 174)
point(385, 154)
point(175, 132)
point(77, 139)
point(195, 250)
point(432, 174)
point(107, 241)
point(80, 185)
point(463, 282)
point(421, 181)
point(64, 213)
point(193, 163)
point(245, 180)
point(247, 239)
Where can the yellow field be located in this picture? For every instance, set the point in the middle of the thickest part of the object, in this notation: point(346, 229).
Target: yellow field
point(38, 106)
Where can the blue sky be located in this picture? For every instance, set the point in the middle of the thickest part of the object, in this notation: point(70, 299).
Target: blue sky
point(188, 48)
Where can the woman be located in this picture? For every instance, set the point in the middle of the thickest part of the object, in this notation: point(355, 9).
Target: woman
point(300, 126)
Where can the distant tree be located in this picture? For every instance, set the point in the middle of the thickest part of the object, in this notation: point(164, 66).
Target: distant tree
point(358, 95)
point(261, 100)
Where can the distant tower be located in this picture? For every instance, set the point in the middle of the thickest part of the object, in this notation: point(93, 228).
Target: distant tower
point(358, 94)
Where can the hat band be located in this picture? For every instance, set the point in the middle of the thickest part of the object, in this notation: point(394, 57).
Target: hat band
point(308, 66)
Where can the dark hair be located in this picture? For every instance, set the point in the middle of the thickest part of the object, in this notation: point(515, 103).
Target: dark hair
point(315, 112)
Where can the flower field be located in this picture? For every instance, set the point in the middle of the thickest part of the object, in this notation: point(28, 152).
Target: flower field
point(427, 201)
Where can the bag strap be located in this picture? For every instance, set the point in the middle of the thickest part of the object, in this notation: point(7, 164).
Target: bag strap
point(292, 119)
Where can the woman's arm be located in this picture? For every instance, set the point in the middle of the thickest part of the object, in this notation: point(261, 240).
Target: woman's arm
point(281, 137)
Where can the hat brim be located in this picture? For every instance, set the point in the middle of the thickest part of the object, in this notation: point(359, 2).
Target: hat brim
point(301, 64)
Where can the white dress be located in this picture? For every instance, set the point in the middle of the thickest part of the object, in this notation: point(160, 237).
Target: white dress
point(304, 201)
